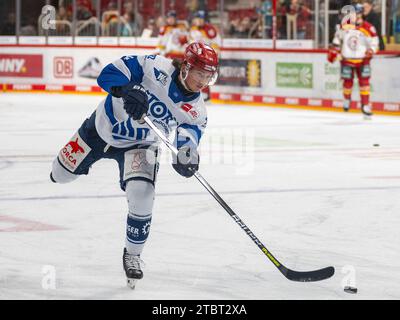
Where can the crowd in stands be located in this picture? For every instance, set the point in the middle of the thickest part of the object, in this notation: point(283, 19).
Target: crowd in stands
point(295, 18)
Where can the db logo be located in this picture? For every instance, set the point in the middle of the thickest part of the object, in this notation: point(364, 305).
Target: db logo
point(189, 109)
point(63, 67)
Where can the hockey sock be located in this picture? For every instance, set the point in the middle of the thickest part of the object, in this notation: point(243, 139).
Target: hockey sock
point(347, 88)
point(364, 94)
point(137, 231)
point(140, 195)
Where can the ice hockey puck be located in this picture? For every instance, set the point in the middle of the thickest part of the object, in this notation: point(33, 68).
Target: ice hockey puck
point(376, 144)
point(350, 289)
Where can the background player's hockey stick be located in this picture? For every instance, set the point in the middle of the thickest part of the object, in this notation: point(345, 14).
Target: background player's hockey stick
point(303, 276)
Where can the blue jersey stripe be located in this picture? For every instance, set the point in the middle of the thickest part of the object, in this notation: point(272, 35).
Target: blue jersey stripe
point(123, 129)
point(109, 110)
point(135, 68)
point(111, 76)
point(115, 129)
point(130, 128)
point(141, 132)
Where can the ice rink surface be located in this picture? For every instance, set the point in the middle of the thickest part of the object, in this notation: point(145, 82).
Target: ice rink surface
point(311, 185)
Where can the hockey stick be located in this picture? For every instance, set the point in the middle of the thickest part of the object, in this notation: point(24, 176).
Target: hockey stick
point(302, 276)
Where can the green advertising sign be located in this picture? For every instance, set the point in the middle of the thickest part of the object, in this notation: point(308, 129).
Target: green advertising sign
point(294, 75)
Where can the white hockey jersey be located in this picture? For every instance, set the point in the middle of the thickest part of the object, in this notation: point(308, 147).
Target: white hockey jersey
point(354, 41)
point(169, 108)
point(172, 39)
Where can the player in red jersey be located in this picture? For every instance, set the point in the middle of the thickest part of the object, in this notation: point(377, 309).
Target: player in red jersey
point(354, 45)
point(173, 38)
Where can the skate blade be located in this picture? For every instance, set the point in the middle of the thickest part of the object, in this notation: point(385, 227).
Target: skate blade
point(131, 283)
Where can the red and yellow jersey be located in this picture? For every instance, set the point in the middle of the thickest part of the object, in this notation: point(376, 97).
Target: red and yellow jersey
point(354, 41)
point(206, 33)
point(173, 39)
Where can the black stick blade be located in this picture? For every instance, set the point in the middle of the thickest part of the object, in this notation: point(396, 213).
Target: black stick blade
point(308, 276)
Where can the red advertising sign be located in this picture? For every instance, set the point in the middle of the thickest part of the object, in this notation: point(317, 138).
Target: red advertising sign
point(21, 65)
point(63, 67)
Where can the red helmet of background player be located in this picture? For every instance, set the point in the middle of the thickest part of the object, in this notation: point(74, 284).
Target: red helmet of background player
point(202, 57)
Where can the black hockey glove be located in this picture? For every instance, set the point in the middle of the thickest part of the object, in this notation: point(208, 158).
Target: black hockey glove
point(135, 99)
point(186, 162)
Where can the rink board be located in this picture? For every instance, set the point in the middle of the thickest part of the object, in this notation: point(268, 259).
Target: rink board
point(289, 78)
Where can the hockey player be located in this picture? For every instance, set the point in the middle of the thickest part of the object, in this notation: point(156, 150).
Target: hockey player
point(173, 38)
point(204, 31)
point(207, 33)
point(168, 92)
point(355, 45)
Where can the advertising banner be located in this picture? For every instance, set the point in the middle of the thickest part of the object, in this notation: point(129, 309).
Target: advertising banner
point(21, 65)
point(267, 76)
point(241, 73)
point(294, 75)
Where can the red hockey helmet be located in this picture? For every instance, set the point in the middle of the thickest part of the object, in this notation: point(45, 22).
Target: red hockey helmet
point(201, 56)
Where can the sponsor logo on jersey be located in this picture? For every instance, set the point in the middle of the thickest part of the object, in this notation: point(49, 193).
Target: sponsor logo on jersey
point(161, 76)
point(151, 57)
point(189, 109)
point(352, 42)
point(159, 110)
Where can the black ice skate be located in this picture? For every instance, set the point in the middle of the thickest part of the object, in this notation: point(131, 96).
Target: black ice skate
point(367, 111)
point(132, 268)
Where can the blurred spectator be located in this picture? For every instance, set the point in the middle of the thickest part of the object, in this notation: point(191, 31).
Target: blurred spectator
point(8, 27)
point(192, 6)
point(29, 28)
point(256, 30)
point(129, 27)
point(202, 30)
point(240, 28)
point(63, 16)
point(85, 3)
point(301, 15)
point(110, 19)
point(265, 11)
point(233, 27)
point(83, 10)
point(373, 18)
point(244, 27)
point(112, 6)
point(160, 22)
point(151, 29)
point(137, 17)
